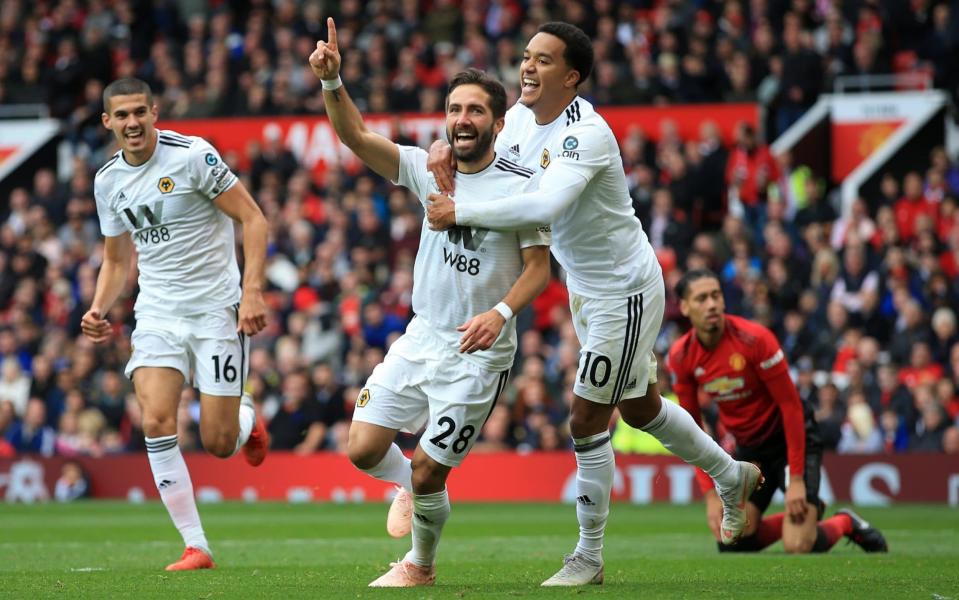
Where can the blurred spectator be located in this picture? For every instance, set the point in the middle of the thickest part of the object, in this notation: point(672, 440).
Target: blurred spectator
point(930, 430)
point(495, 435)
point(72, 484)
point(296, 425)
point(329, 397)
point(830, 416)
point(895, 434)
point(801, 74)
point(857, 288)
point(7, 420)
point(921, 369)
point(32, 435)
point(945, 334)
point(911, 206)
point(950, 440)
point(14, 385)
point(860, 433)
point(750, 168)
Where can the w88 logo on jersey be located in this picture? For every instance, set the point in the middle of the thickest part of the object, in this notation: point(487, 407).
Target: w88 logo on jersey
point(153, 235)
point(461, 263)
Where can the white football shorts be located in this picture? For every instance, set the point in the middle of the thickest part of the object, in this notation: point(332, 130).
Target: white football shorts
point(207, 345)
point(424, 381)
point(616, 335)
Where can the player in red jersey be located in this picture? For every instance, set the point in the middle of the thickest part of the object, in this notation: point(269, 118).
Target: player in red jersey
point(739, 365)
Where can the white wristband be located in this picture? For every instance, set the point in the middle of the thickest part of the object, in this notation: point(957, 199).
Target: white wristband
point(504, 309)
point(331, 84)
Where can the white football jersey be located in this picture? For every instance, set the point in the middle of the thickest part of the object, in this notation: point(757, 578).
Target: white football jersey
point(598, 240)
point(187, 258)
point(466, 271)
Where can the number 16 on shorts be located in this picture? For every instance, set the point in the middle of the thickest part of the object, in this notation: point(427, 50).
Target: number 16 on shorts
point(227, 372)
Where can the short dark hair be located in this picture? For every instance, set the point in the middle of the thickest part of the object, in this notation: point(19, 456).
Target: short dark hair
point(493, 88)
point(682, 286)
point(579, 48)
point(126, 87)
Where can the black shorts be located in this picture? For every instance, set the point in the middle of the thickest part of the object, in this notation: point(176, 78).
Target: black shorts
point(772, 457)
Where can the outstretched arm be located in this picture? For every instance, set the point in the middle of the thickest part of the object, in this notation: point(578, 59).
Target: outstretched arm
point(377, 152)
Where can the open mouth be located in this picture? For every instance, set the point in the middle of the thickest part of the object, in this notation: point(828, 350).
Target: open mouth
point(134, 136)
point(530, 85)
point(465, 137)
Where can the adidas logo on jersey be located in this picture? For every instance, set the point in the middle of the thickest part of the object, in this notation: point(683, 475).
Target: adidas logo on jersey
point(585, 501)
point(165, 484)
point(572, 113)
point(514, 149)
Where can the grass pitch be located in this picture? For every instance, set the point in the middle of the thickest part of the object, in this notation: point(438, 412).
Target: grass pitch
point(118, 550)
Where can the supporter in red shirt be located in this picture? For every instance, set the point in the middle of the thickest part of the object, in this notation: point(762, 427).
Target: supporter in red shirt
point(921, 370)
point(739, 365)
point(911, 206)
point(751, 166)
point(948, 220)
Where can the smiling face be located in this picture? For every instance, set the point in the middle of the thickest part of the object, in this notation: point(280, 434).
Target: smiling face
point(704, 305)
point(545, 77)
point(132, 121)
point(470, 125)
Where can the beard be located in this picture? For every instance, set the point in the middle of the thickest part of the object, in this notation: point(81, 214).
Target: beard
point(482, 143)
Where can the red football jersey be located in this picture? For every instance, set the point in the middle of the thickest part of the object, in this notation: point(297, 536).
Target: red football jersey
point(747, 376)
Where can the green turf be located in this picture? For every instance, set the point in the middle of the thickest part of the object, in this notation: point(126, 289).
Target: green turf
point(117, 550)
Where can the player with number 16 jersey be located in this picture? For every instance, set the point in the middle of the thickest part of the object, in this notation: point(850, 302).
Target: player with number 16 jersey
point(171, 198)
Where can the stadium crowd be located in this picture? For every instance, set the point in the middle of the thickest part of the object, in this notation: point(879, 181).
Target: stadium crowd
point(864, 304)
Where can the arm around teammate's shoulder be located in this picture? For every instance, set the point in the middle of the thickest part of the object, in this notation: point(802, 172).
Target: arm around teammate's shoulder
point(574, 159)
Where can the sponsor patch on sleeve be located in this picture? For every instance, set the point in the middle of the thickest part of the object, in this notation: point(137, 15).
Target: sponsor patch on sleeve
point(772, 361)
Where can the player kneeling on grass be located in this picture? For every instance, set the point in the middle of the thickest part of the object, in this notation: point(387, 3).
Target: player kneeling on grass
point(452, 363)
point(739, 365)
point(171, 197)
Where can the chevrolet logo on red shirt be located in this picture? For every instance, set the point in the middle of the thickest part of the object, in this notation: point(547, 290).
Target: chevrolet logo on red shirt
point(724, 385)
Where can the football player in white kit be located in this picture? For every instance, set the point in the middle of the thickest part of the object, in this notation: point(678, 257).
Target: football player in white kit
point(617, 294)
point(450, 366)
point(172, 198)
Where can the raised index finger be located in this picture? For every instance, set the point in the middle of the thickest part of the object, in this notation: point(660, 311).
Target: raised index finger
point(331, 32)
